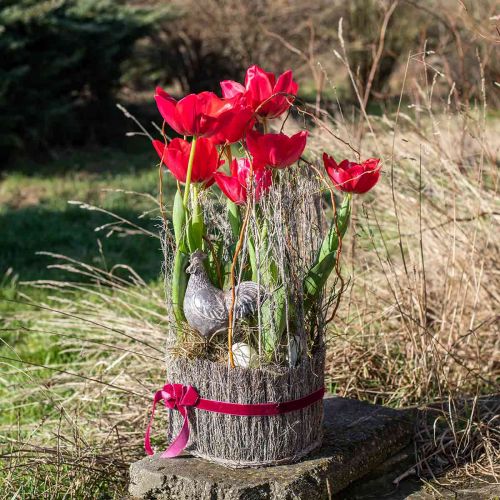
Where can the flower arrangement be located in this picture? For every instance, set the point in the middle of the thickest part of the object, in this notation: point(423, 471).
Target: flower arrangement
point(257, 269)
point(255, 236)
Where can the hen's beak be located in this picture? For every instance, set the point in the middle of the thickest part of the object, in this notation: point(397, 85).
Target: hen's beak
point(189, 269)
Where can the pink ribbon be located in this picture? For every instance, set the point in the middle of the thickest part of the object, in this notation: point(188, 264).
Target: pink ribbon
point(176, 397)
point(180, 397)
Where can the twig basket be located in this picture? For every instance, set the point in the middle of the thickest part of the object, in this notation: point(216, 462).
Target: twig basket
point(242, 441)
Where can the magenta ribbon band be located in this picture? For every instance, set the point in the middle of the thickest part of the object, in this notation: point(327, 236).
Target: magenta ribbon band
point(180, 397)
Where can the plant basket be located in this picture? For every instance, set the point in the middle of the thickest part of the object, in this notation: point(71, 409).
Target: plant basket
point(243, 441)
point(247, 273)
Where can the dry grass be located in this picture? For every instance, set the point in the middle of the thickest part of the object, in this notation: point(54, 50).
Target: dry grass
point(424, 286)
point(418, 324)
point(94, 402)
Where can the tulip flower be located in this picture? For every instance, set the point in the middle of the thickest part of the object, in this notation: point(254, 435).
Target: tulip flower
point(276, 150)
point(352, 177)
point(258, 89)
point(195, 114)
point(176, 157)
point(235, 186)
point(234, 122)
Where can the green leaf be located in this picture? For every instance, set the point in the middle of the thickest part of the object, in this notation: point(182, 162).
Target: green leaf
point(273, 312)
point(253, 259)
point(273, 319)
point(181, 259)
point(331, 240)
point(233, 212)
point(195, 228)
point(194, 234)
point(178, 218)
point(213, 262)
point(179, 284)
point(326, 260)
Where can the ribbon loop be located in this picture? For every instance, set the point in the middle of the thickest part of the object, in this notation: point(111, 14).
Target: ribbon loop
point(175, 397)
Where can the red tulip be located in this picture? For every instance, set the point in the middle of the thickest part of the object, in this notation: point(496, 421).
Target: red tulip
point(276, 150)
point(235, 186)
point(195, 114)
point(258, 89)
point(234, 122)
point(176, 155)
point(352, 177)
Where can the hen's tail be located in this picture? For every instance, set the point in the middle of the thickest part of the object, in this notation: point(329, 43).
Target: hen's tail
point(249, 295)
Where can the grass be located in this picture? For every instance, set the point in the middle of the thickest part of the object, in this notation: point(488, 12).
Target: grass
point(418, 324)
point(35, 216)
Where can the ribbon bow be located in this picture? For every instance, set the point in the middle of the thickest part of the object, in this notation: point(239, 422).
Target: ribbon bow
point(176, 397)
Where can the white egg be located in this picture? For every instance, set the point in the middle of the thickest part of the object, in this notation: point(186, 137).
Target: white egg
point(244, 355)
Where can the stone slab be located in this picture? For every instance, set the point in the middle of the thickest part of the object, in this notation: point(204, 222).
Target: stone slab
point(359, 437)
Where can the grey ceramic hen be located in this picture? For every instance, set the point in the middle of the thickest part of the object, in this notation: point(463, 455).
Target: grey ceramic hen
point(206, 307)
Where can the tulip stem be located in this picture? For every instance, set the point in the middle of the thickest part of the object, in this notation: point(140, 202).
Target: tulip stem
point(189, 171)
point(229, 155)
point(265, 127)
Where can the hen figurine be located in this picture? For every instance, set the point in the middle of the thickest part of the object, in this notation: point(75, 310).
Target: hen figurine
point(206, 307)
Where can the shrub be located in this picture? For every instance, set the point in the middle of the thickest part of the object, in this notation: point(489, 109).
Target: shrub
point(61, 64)
point(195, 53)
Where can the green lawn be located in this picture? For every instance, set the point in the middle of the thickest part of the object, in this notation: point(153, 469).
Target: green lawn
point(35, 216)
